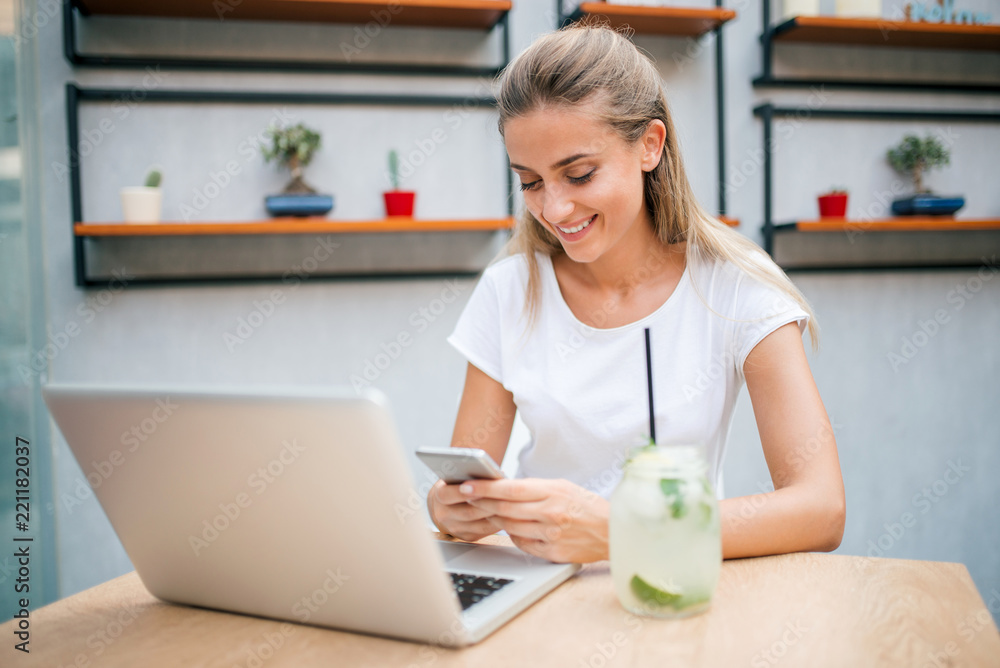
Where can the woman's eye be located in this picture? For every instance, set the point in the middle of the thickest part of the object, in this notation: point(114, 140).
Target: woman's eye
point(582, 179)
point(530, 186)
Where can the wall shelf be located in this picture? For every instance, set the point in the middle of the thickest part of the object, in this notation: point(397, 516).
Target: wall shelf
point(674, 21)
point(901, 224)
point(893, 244)
point(484, 15)
point(477, 14)
point(904, 242)
point(267, 249)
point(309, 225)
point(873, 33)
point(288, 250)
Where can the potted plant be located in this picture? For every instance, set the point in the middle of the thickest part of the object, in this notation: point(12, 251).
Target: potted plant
point(294, 148)
point(397, 202)
point(913, 157)
point(141, 204)
point(833, 203)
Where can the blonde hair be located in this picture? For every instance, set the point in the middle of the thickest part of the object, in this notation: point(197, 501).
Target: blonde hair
point(586, 63)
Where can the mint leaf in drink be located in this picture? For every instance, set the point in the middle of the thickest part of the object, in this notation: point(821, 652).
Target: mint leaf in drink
point(706, 514)
point(672, 490)
point(651, 595)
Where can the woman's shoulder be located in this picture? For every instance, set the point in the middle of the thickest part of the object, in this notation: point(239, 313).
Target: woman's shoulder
point(727, 287)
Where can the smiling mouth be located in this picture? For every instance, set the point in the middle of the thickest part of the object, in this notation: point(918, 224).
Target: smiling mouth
point(577, 228)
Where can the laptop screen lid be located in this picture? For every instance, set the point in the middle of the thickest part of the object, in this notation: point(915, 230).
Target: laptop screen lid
point(282, 504)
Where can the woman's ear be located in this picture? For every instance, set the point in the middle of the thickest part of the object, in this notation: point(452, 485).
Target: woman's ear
point(652, 144)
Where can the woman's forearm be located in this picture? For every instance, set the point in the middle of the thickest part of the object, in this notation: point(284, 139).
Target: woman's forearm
point(791, 519)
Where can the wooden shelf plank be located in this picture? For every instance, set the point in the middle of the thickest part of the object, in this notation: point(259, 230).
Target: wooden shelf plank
point(310, 225)
point(731, 222)
point(878, 32)
point(480, 14)
point(915, 223)
point(675, 21)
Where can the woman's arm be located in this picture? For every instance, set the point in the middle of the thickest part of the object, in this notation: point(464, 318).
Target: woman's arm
point(485, 419)
point(807, 509)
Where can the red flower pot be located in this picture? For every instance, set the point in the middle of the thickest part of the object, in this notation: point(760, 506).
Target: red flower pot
point(833, 205)
point(399, 203)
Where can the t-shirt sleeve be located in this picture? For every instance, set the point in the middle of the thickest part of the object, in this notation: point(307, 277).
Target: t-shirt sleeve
point(477, 333)
point(759, 310)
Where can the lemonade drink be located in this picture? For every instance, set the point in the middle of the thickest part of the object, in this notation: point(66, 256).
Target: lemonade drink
point(665, 542)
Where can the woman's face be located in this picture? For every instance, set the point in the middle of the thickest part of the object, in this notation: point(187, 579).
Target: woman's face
point(581, 180)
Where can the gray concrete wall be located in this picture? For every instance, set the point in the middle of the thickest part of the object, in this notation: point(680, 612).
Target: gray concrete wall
point(901, 430)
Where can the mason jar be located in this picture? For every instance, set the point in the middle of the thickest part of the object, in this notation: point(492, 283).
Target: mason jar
point(665, 540)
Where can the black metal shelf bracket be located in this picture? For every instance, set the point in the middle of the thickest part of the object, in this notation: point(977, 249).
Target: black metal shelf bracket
point(767, 79)
point(768, 113)
point(76, 95)
point(78, 59)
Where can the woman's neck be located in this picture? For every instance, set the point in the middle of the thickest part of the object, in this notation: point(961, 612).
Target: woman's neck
point(633, 261)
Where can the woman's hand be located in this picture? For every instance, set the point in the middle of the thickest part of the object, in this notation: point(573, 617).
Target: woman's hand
point(453, 515)
point(552, 519)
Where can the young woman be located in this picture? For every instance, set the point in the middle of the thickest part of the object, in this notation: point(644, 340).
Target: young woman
point(613, 242)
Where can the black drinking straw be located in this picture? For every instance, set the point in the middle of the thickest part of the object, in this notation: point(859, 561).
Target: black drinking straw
point(649, 383)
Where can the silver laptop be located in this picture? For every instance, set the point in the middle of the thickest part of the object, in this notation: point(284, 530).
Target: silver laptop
point(296, 505)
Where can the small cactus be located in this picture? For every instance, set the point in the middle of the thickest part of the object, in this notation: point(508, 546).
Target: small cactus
point(394, 169)
point(153, 179)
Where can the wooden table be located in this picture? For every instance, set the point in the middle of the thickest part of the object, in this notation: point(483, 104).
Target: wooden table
point(791, 610)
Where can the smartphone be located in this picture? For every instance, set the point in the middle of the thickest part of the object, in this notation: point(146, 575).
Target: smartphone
point(454, 465)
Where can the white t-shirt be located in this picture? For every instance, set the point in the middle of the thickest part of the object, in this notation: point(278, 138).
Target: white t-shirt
point(581, 391)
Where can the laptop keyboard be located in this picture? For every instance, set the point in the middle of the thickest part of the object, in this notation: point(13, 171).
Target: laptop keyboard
point(471, 589)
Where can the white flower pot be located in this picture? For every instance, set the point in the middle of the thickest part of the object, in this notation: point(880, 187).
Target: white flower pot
point(141, 204)
point(792, 8)
point(860, 9)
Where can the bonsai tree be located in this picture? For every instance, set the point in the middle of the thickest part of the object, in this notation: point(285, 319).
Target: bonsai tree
point(914, 156)
point(294, 148)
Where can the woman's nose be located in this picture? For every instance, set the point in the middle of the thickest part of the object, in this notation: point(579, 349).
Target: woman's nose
point(557, 205)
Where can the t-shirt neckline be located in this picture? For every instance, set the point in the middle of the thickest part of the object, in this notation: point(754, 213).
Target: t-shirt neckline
point(567, 311)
